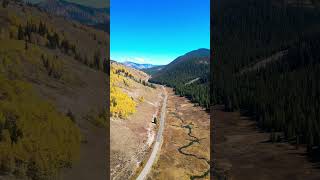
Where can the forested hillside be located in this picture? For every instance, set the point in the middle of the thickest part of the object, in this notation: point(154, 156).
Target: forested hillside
point(281, 94)
point(188, 75)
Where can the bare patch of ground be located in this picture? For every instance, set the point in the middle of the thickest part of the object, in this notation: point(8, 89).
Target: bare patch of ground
point(192, 81)
point(186, 145)
point(264, 62)
point(242, 152)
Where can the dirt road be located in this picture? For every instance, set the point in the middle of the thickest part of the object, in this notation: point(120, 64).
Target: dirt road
point(157, 145)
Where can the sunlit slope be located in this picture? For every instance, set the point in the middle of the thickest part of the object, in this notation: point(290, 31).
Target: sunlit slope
point(121, 105)
point(122, 80)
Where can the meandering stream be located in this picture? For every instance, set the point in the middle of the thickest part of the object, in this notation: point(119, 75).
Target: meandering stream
point(193, 139)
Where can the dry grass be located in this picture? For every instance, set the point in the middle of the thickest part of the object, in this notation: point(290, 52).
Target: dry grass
point(171, 163)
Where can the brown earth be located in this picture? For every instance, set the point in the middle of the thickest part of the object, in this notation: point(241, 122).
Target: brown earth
point(242, 152)
point(186, 142)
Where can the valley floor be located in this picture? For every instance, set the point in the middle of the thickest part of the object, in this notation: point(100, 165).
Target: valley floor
point(185, 150)
point(242, 152)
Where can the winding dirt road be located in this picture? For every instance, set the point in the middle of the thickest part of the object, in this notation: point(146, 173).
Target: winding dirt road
point(157, 145)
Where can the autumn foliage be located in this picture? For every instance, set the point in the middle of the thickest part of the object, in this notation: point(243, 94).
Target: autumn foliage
point(121, 105)
point(35, 139)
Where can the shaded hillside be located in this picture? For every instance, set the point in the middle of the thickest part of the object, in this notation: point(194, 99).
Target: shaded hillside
point(279, 90)
point(51, 90)
point(184, 69)
point(96, 17)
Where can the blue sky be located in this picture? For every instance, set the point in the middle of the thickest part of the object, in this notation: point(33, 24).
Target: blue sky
point(157, 31)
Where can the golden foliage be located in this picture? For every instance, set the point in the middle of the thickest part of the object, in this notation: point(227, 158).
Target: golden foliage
point(54, 66)
point(36, 141)
point(121, 105)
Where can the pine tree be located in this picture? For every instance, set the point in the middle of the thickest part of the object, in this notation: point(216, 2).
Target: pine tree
point(5, 3)
point(20, 33)
point(26, 46)
point(96, 58)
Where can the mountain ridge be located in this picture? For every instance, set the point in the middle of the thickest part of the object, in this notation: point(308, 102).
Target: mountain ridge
point(190, 57)
point(178, 74)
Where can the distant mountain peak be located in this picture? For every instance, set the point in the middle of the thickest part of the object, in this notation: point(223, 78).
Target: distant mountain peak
point(199, 52)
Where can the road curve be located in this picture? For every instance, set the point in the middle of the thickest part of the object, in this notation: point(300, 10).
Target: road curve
point(157, 145)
